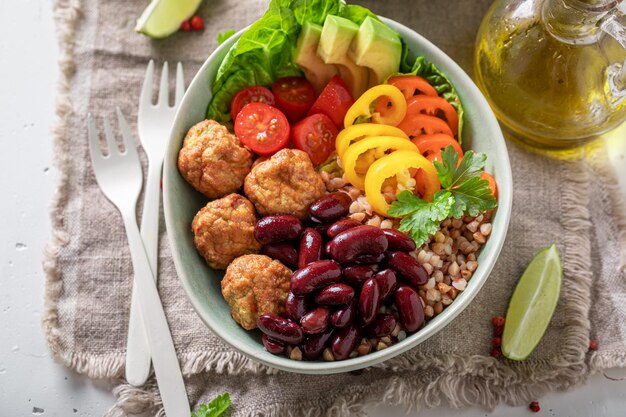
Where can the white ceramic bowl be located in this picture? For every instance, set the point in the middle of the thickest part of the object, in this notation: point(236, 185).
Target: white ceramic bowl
point(202, 284)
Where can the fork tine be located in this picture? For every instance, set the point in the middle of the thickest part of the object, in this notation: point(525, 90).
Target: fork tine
point(164, 88)
point(180, 83)
point(146, 90)
point(110, 137)
point(94, 141)
point(129, 143)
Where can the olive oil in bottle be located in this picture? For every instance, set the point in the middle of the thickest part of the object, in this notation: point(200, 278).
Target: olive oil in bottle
point(550, 71)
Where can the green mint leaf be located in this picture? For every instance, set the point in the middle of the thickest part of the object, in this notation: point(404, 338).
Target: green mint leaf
point(472, 197)
point(215, 408)
point(422, 218)
point(221, 37)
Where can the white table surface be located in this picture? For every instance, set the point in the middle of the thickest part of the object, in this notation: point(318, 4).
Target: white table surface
point(31, 383)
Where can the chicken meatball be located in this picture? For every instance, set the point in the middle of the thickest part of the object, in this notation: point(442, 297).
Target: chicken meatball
point(224, 230)
point(286, 183)
point(212, 160)
point(255, 285)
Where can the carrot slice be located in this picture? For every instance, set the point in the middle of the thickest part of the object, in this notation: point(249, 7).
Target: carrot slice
point(434, 106)
point(413, 85)
point(431, 145)
point(420, 124)
point(493, 185)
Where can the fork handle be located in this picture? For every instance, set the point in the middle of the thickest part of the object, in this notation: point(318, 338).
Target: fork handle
point(166, 366)
point(137, 348)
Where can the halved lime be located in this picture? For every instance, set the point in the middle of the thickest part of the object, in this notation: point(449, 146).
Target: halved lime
point(532, 304)
point(163, 17)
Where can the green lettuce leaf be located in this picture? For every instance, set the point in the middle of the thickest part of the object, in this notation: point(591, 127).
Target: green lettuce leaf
point(357, 14)
point(264, 52)
point(223, 36)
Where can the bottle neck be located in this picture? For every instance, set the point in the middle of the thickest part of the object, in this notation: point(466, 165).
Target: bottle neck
point(575, 21)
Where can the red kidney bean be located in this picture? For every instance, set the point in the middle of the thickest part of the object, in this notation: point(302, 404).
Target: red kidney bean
point(315, 344)
point(315, 275)
point(370, 259)
point(335, 294)
point(399, 241)
point(369, 301)
point(387, 282)
point(278, 228)
point(331, 207)
point(353, 243)
point(340, 226)
point(283, 252)
point(296, 306)
point(356, 275)
point(409, 308)
point(408, 268)
point(316, 320)
point(310, 247)
point(344, 316)
point(322, 229)
point(280, 328)
point(327, 249)
point(382, 325)
point(273, 346)
point(344, 342)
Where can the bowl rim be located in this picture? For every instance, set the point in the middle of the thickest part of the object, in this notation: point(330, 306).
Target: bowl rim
point(497, 237)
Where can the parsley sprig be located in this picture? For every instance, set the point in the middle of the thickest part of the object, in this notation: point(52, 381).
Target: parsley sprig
point(215, 408)
point(463, 192)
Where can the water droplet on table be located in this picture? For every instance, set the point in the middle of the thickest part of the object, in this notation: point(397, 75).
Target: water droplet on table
point(38, 411)
point(19, 246)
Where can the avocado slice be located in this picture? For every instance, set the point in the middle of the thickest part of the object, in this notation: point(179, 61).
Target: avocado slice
point(305, 56)
point(337, 35)
point(377, 47)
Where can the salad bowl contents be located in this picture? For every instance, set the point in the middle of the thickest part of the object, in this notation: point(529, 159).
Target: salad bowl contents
point(350, 212)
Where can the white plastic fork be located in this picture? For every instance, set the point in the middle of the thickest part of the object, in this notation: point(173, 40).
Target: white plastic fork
point(120, 178)
point(154, 123)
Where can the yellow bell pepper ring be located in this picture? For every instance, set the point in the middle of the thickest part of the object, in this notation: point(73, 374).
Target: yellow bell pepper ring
point(390, 165)
point(355, 133)
point(361, 109)
point(379, 144)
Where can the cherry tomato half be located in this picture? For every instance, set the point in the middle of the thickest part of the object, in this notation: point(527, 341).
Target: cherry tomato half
point(262, 128)
point(413, 85)
point(254, 94)
point(431, 145)
point(315, 135)
point(334, 101)
point(434, 106)
point(294, 96)
point(420, 124)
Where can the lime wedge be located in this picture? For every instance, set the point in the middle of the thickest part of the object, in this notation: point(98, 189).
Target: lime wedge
point(532, 304)
point(163, 17)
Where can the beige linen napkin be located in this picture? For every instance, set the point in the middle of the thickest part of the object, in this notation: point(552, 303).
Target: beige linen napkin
point(89, 272)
